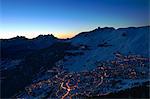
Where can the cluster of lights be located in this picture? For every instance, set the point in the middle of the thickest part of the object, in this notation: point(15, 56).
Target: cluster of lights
point(76, 84)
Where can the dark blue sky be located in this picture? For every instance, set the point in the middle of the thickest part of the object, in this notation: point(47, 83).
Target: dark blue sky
point(65, 18)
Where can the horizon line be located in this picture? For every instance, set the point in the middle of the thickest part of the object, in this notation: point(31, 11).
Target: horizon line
point(54, 34)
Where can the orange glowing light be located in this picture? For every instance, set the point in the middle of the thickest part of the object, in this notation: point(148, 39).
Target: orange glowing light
point(64, 35)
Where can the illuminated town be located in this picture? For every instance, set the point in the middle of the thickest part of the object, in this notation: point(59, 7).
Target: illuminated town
point(107, 77)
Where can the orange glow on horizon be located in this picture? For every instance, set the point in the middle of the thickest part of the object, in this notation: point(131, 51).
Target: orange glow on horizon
point(64, 35)
point(33, 35)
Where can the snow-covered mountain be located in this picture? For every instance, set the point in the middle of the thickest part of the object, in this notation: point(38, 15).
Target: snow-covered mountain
point(43, 64)
point(101, 43)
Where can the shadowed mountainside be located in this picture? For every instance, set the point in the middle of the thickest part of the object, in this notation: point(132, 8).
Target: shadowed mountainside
point(23, 60)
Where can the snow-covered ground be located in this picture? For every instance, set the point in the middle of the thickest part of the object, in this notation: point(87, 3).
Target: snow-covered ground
point(7, 64)
point(105, 60)
point(103, 42)
point(108, 77)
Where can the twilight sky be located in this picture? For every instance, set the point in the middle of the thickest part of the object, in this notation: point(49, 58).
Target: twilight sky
point(65, 18)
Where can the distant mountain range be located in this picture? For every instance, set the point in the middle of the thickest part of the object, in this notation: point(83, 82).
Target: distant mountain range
point(24, 46)
point(26, 60)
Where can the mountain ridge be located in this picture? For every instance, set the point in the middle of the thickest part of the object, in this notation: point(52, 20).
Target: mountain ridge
point(27, 61)
point(98, 28)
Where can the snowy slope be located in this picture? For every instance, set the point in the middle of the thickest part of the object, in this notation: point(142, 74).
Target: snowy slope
point(80, 55)
point(108, 77)
point(103, 42)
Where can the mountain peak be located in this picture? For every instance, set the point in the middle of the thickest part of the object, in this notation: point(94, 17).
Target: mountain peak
point(20, 37)
point(46, 36)
point(105, 28)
